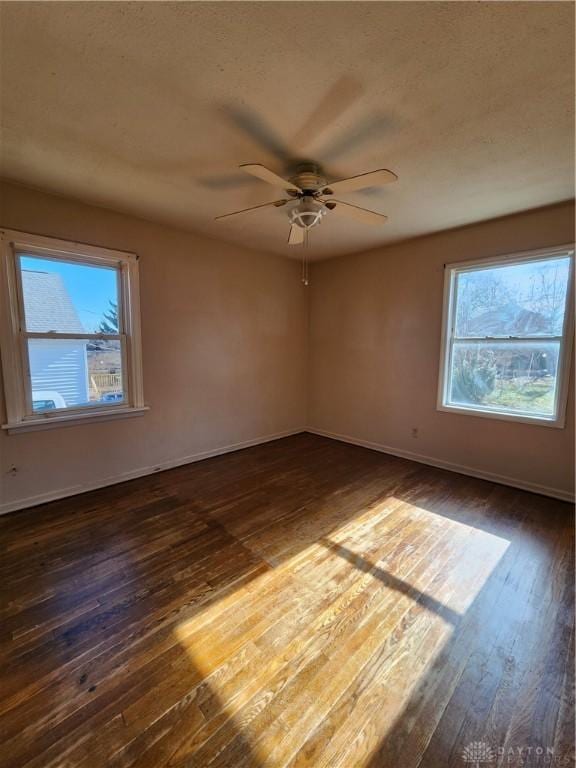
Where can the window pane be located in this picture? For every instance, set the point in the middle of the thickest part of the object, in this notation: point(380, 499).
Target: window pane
point(68, 298)
point(508, 376)
point(525, 299)
point(69, 373)
point(105, 372)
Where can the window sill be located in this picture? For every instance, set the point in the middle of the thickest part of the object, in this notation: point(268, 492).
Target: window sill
point(558, 423)
point(52, 422)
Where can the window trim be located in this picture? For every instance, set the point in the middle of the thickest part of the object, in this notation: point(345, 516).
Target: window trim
point(14, 337)
point(565, 341)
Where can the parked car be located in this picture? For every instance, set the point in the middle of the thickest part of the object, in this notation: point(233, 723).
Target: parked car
point(47, 400)
point(112, 397)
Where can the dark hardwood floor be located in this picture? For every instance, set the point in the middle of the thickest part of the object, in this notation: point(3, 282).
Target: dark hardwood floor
point(301, 603)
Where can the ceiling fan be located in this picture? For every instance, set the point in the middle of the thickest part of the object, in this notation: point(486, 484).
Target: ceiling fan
point(310, 197)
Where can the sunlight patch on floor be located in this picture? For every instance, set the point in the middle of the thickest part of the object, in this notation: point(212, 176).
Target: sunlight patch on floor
point(374, 673)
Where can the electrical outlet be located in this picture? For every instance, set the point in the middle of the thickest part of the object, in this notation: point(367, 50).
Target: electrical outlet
point(414, 432)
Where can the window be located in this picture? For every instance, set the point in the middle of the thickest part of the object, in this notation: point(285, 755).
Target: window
point(506, 337)
point(70, 332)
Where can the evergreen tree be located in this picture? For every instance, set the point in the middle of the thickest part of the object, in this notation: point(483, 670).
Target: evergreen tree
point(109, 323)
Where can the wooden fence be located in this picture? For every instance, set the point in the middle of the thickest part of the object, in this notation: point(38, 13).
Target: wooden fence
point(101, 383)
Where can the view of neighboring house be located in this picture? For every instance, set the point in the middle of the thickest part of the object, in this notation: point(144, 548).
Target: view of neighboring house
point(58, 367)
point(515, 320)
point(509, 319)
point(65, 373)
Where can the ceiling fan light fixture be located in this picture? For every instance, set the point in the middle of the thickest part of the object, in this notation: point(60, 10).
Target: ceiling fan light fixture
point(307, 214)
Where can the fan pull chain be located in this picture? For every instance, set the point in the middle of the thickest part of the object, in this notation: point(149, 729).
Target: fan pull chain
point(305, 271)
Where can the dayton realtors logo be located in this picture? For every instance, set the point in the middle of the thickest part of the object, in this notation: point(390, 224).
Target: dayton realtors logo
point(478, 753)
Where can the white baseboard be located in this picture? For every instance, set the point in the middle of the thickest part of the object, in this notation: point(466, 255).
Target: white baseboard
point(43, 498)
point(441, 464)
point(74, 490)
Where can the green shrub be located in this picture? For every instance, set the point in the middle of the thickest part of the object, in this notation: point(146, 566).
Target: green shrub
point(474, 376)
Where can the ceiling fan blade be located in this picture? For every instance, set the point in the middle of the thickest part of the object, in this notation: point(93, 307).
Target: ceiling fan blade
point(226, 181)
point(256, 128)
point(372, 179)
point(277, 203)
point(336, 101)
point(355, 212)
point(261, 172)
point(296, 236)
point(367, 129)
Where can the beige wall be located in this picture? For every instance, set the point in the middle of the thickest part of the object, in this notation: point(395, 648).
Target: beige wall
point(234, 349)
point(375, 348)
point(224, 346)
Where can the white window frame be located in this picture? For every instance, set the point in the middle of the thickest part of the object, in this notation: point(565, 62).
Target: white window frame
point(565, 341)
point(14, 337)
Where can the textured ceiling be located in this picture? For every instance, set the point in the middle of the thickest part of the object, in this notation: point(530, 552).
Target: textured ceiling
point(148, 108)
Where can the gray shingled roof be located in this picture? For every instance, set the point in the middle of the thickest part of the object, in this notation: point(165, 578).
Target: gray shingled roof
point(47, 304)
point(510, 319)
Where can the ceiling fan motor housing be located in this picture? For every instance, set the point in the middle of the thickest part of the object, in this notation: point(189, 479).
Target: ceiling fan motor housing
point(309, 178)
